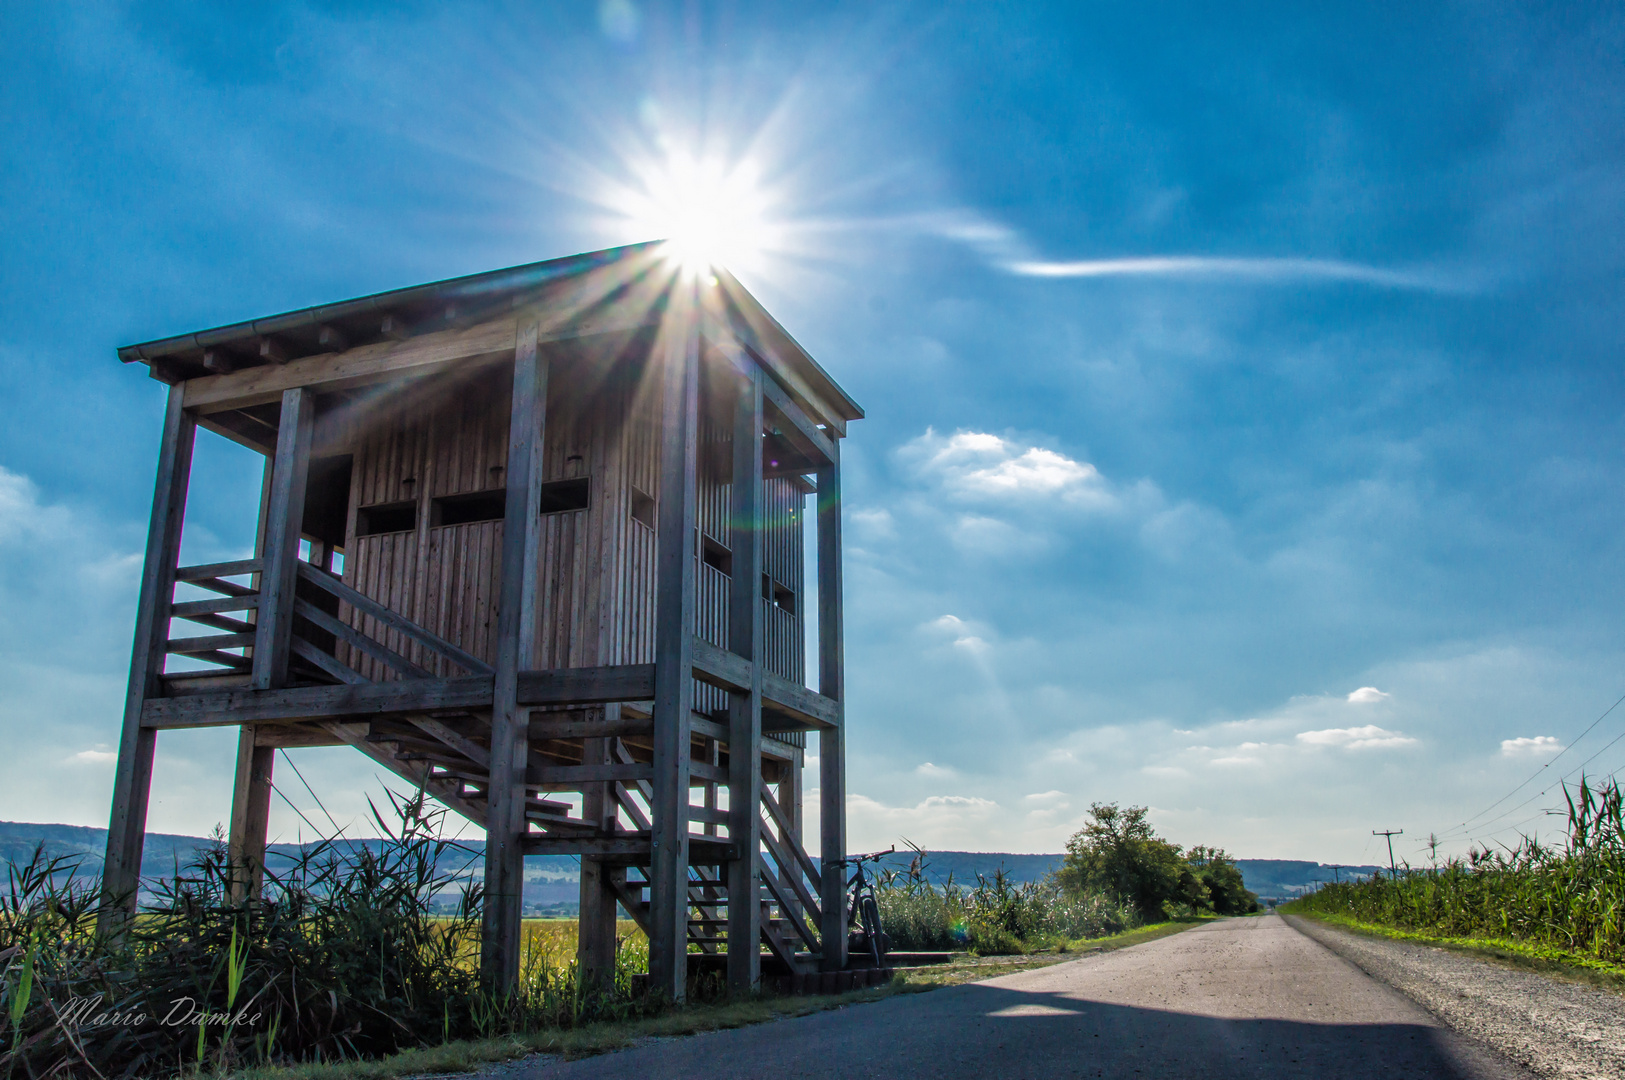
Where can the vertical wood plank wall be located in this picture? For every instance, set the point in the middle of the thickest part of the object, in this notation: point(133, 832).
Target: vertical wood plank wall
point(597, 572)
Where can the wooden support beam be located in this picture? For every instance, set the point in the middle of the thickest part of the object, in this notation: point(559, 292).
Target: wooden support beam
point(250, 815)
point(410, 356)
point(831, 749)
point(453, 738)
point(807, 707)
point(678, 365)
point(515, 645)
point(795, 425)
point(279, 561)
point(629, 845)
point(127, 825)
point(552, 726)
point(595, 932)
point(722, 668)
point(274, 350)
point(331, 339)
point(571, 777)
point(295, 704)
point(587, 686)
point(745, 706)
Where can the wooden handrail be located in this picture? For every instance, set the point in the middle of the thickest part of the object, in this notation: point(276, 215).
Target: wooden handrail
point(219, 569)
point(786, 909)
point(356, 639)
point(789, 874)
point(322, 579)
point(782, 821)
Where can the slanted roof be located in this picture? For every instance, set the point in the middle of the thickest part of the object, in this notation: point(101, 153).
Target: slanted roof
point(402, 313)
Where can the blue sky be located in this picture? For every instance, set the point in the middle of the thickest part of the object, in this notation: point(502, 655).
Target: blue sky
point(1244, 393)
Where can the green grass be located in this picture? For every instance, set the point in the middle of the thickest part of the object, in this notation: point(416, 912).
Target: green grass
point(1565, 905)
point(1542, 958)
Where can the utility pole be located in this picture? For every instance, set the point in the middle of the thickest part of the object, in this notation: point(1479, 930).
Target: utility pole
point(1389, 834)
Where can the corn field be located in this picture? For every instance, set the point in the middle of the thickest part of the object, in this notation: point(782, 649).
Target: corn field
point(1570, 898)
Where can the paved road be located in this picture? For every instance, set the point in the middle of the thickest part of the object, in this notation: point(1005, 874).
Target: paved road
point(1239, 998)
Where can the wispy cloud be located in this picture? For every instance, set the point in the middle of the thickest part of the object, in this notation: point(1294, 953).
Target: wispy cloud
point(1368, 737)
point(1006, 249)
point(1264, 270)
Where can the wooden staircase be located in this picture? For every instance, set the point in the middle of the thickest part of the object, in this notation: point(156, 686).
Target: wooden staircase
point(446, 752)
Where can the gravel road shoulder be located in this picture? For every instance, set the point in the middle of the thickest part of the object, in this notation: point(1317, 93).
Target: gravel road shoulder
point(1551, 1027)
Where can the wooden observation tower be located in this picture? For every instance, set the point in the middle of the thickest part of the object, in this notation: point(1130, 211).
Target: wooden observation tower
point(532, 540)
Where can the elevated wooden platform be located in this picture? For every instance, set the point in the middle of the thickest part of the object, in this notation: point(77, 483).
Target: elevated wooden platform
point(533, 541)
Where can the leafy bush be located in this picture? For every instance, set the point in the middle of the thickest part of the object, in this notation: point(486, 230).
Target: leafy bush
point(1570, 898)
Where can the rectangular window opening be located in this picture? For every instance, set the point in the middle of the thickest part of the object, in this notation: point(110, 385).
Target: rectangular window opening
point(468, 508)
point(778, 595)
point(716, 556)
point(643, 509)
point(565, 496)
point(386, 518)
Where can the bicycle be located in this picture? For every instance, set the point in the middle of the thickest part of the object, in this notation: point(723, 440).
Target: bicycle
point(863, 911)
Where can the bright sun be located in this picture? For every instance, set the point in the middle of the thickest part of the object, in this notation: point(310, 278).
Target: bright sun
point(713, 215)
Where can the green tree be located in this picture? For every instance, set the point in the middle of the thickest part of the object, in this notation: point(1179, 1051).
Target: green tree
point(1119, 854)
point(1227, 893)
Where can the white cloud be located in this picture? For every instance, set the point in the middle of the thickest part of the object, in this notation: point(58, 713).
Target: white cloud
point(1524, 746)
point(1049, 797)
point(92, 757)
point(929, 769)
point(980, 465)
point(1369, 737)
point(1367, 695)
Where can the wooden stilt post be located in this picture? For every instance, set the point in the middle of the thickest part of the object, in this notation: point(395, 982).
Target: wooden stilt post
point(250, 815)
point(251, 793)
point(679, 366)
point(516, 644)
point(832, 684)
point(273, 629)
point(595, 940)
point(127, 825)
point(745, 710)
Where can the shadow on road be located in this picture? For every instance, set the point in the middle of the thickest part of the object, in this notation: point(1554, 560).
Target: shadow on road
point(979, 1031)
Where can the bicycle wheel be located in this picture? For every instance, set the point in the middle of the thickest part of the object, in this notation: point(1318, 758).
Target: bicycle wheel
point(871, 927)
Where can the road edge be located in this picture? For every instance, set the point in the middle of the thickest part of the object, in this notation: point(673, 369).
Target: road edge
point(1471, 1040)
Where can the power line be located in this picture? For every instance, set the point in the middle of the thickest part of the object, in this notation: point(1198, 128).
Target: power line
point(1572, 743)
point(1541, 794)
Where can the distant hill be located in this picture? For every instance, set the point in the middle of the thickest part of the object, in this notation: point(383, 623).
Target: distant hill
point(552, 881)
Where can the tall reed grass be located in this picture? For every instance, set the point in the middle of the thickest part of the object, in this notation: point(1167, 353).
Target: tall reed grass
point(1569, 897)
point(342, 958)
point(992, 916)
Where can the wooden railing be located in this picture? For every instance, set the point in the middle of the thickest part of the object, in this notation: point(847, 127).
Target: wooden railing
point(329, 623)
point(213, 613)
point(786, 871)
